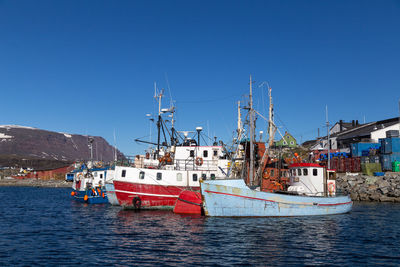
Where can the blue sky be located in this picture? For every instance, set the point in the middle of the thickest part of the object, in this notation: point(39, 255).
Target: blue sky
point(88, 67)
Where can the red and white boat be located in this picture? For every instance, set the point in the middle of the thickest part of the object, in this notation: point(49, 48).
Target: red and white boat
point(158, 182)
point(157, 178)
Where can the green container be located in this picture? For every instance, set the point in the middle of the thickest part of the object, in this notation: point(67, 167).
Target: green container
point(370, 168)
point(396, 166)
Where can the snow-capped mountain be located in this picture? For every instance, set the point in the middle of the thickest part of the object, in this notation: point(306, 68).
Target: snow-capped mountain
point(20, 141)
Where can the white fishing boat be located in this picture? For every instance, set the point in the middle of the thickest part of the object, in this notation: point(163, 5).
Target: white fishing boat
point(157, 178)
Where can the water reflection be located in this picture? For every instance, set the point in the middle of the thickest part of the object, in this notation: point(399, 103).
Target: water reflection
point(44, 226)
point(276, 241)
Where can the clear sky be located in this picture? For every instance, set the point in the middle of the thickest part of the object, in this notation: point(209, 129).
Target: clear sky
point(88, 67)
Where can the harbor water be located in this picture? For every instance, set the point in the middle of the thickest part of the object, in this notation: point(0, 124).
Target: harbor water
point(44, 226)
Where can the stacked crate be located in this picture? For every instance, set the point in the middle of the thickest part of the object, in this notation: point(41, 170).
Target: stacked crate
point(343, 164)
point(355, 164)
point(364, 155)
point(390, 150)
point(364, 149)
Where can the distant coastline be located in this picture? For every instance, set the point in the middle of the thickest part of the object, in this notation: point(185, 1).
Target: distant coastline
point(52, 183)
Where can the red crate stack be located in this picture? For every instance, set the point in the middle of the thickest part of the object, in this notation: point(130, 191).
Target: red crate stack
point(335, 164)
point(355, 164)
point(341, 167)
point(347, 164)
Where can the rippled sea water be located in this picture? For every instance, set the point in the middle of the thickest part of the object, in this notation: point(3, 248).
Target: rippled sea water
point(44, 226)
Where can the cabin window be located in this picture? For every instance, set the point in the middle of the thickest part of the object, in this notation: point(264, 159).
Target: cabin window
point(305, 172)
point(315, 172)
point(191, 153)
point(179, 177)
point(141, 175)
point(194, 177)
point(205, 153)
point(101, 176)
point(291, 142)
point(159, 175)
point(123, 174)
point(95, 174)
point(299, 172)
point(215, 153)
point(331, 176)
point(204, 176)
point(212, 176)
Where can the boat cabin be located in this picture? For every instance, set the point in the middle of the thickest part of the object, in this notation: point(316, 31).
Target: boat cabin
point(311, 179)
point(185, 158)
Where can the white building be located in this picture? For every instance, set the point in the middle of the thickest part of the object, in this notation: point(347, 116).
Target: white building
point(344, 135)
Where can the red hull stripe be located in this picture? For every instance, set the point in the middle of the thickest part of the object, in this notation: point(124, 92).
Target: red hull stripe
point(146, 194)
point(150, 195)
point(336, 204)
point(267, 200)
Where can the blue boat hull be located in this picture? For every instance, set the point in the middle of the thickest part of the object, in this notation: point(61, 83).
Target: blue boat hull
point(92, 199)
point(232, 198)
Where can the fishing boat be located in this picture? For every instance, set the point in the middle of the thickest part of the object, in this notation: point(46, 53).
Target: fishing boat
point(89, 184)
point(309, 190)
point(177, 163)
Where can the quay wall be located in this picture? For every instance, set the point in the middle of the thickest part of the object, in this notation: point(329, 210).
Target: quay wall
point(361, 187)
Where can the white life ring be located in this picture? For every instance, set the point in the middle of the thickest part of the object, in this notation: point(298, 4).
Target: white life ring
point(79, 176)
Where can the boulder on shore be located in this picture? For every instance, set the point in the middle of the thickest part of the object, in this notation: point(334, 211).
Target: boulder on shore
point(361, 187)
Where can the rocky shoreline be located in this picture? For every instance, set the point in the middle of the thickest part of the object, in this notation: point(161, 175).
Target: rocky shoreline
point(32, 182)
point(361, 187)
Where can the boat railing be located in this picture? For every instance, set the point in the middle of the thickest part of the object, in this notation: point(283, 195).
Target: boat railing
point(127, 161)
point(190, 164)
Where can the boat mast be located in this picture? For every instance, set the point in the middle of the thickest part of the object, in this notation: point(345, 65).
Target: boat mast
point(158, 97)
point(172, 126)
point(271, 112)
point(239, 126)
point(90, 144)
point(272, 127)
point(271, 133)
point(251, 118)
point(328, 140)
point(115, 147)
